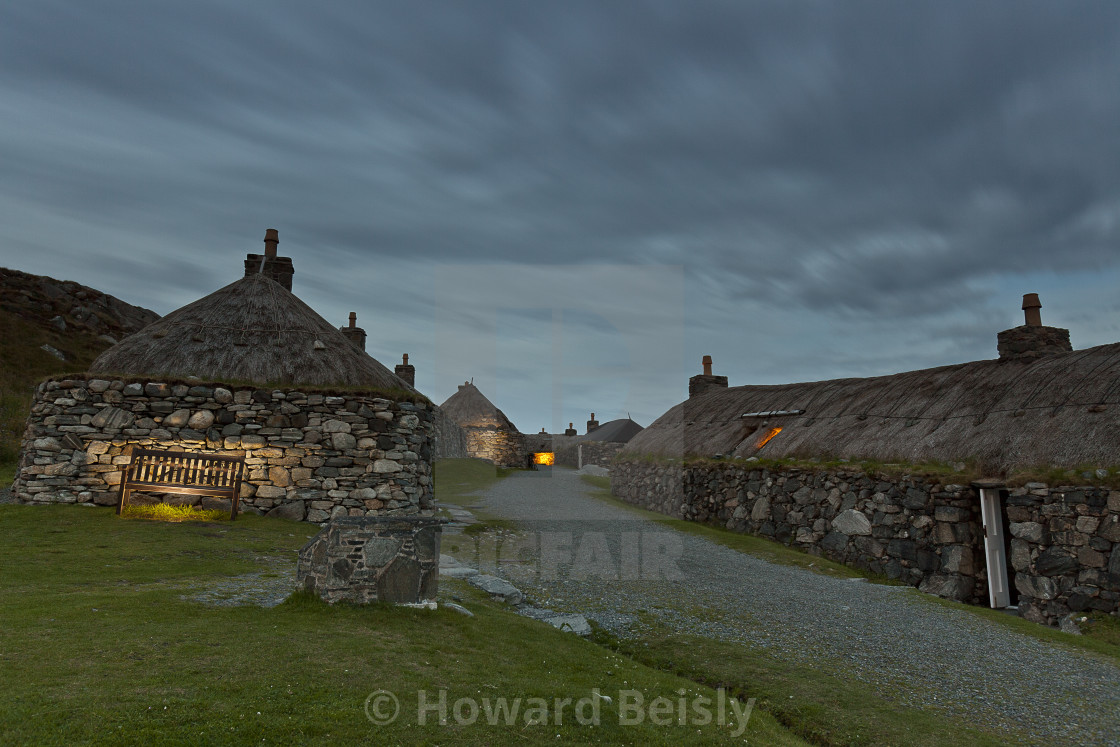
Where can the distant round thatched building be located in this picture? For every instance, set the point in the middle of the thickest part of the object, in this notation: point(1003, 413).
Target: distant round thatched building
point(489, 433)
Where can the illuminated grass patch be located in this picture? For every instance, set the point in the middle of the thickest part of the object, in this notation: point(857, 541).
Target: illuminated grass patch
point(167, 512)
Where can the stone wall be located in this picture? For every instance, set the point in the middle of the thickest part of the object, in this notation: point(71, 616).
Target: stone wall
point(309, 456)
point(1065, 549)
point(601, 453)
point(1065, 553)
point(448, 439)
point(503, 448)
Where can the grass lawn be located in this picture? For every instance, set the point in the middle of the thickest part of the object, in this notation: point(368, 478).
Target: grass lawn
point(100, 643)
point(7, 474)
point(458, 480)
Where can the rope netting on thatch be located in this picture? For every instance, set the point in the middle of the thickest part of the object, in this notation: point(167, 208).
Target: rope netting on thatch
point(1061, 409)
point(252, 330)
point(470, 409)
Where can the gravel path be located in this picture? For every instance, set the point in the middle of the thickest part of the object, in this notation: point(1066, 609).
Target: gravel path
point(574, 547)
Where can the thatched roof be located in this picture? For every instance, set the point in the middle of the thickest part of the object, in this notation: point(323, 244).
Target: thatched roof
point(1061, 410)
point(470, 409)
point(252, 330)
point(617, 431)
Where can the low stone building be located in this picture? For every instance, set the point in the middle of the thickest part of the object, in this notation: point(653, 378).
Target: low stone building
point(1047, 549)
point(599, 445)
point(489, 434)
point(249, 370)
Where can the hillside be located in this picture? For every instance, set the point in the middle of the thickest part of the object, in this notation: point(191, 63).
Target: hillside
point(50, 326)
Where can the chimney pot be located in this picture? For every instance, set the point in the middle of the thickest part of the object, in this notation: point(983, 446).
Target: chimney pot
point(406, 359)
point(271, 239)
point(1031, 306)
point(707, 362)
point(353, 319)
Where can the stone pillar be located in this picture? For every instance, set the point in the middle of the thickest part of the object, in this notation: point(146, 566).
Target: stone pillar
point(364, 559)
point(406, 371)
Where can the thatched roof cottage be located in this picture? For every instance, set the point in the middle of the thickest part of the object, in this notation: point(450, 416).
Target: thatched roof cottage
point(489, 433)
point(965, 529)
point(251, 370)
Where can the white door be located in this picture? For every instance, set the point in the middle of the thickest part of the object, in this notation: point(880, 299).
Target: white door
point(991, 512)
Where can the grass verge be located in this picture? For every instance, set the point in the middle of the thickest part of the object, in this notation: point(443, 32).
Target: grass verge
point(961, 473)
point(817, 703)
point(98, 643)
point(7, 474)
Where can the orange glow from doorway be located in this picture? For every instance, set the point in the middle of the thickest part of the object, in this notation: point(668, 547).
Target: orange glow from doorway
point(766, 439)
point(544, 457)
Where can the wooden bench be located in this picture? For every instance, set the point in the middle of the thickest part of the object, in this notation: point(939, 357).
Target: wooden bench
point(183, 472)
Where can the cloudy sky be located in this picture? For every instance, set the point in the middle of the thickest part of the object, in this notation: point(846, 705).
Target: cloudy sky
point(572, 202)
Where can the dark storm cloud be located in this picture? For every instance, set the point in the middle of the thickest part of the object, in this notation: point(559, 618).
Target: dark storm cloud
point(860, 161)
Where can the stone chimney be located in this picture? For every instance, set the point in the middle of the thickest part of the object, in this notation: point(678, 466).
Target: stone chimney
point(592, 424)
point(268, 264)
point(705, 381)
point(571, 430)
point(1032, 339)
point(354, 333)
point(406, 371)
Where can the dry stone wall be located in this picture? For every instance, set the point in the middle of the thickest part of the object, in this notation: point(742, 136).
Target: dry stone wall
point(1065, 551)
point(503, 448)
point(309, 456)
point(448, 439)
point(601, 453)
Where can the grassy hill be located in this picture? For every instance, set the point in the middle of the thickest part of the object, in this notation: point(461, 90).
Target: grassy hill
point(76, 321)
